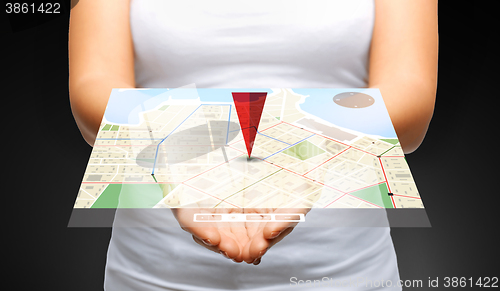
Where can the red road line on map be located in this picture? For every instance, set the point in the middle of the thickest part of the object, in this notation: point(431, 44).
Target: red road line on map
point(334, 200)
point(331, 139)
point(222, 200)
point(393, 156)
point(338, 190)
point(272, 126)
point(310, 179)
point(326, 161)
point(243, 152)
point(315, 133)
point(393, 203)
point(358, 197)
point(387, 181)
point(365, 201)
point(275, 165)
point(368, 186)
point(385, 177)
point(406, 196)
point(345, 193)
point(314, 181)
point(213, 168)
point(235, 142)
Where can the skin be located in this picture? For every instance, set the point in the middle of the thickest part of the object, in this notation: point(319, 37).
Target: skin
point(237, 241)
point(403, 65)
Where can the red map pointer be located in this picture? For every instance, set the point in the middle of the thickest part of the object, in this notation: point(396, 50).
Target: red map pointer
point(249, 107)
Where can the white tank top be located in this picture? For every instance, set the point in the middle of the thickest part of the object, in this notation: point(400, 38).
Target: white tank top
point(258, 43)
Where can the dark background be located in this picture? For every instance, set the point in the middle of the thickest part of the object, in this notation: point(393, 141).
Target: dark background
point(45, 157)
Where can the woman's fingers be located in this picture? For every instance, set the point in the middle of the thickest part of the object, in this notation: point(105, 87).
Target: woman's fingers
point(229, 247)
point(238, 241)
point(208, 235)
point(273, 230)
point(226, 246)
point(206, 232)
point(205, 245)
point(259, 245)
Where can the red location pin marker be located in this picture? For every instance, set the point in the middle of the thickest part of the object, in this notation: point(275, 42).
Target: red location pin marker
point(249, 106)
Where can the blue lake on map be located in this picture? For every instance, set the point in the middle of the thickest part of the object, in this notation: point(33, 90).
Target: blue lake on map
point(370, 120)
point(124, 106)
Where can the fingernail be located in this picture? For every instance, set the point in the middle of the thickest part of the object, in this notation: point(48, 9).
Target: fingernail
point(257, 261)
point(208, 242)
point(274, 234)
point(262, 253)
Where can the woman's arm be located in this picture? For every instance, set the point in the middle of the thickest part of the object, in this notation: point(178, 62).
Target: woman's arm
point(101, 57)
point(403, 65)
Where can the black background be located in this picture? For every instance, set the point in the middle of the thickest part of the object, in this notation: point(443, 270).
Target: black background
point(45, 157)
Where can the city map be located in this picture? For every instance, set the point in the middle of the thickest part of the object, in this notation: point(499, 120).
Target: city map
point(317, 148)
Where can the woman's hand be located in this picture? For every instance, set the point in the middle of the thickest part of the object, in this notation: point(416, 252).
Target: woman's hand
point(226, 238)
point(264, 235)
point(238, 241)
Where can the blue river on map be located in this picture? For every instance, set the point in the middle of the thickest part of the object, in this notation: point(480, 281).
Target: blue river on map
point(124, 106)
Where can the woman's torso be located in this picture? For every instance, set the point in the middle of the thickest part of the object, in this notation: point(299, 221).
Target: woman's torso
point(250, 44)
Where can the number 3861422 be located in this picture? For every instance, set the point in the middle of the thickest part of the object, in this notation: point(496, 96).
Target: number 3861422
point(46, 8)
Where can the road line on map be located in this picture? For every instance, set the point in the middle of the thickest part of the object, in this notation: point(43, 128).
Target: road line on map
point(310, 179)
point(392, 199)
point(212, 168)
point(367, 186)
point(261, 131)
point(387, 181)
point(332, 139)
point(378, 206)
point(387, 150)
point(290, 146)
point(282, 113)
point(272, 137)
point(326, 161)
point(407, 196)
point(157, 146)
point(173, 118)
point(335, 200)
point(228, 123)
point(211, 196)
point(224, 200)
